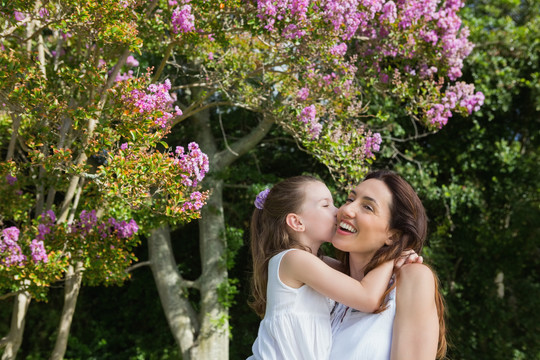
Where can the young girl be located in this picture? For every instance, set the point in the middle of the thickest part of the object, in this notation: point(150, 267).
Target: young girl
point(288, 226)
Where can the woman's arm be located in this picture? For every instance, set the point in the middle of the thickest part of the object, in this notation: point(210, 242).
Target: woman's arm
point(301, 267)
point(416, 325)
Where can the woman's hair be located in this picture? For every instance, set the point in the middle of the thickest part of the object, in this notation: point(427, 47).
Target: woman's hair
point(408, 217)
point(269, 232)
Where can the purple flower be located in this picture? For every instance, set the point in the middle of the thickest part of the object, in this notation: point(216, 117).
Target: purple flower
point(194, 164)
point(339, 49)
point(124, 146)
point(44, 13)
point(10, 251)
point(308, 117)
point(11, 234)
point(11, 179)
point(372, 143)
point(19, 16)
point(124, 229)
point(261, 198)
point(38, 251)
point(302, 94)
point(183, 20)
point(131, 61)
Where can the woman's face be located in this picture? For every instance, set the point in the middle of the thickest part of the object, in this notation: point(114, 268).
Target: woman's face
point(363, 221)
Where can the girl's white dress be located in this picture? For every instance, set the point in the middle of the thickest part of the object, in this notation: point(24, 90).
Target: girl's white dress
point(362, 336)
point(296, 324)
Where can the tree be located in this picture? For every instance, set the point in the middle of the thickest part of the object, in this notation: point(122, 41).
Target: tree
point(82, 143)
point(311, 68)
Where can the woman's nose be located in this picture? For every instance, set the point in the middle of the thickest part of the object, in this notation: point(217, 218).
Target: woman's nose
point(346, 210)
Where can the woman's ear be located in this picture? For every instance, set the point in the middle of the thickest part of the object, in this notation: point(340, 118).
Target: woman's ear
point(294, 221)
point(393, 235)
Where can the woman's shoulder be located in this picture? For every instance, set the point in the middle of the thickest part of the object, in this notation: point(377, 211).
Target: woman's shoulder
point(416, 272)
point(415, 280)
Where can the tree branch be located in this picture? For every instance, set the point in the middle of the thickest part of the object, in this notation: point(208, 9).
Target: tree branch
point(240, 147)
point(138, 265)
point(163, 62)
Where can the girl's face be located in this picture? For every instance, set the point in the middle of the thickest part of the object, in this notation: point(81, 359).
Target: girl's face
point(363, 221)
point(318, 213)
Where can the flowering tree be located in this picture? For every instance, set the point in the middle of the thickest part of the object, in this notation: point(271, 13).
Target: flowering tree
point(81, 154)
point(311, 67)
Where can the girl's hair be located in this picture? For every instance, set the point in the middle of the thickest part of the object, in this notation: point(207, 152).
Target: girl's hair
point(408, 217)
point(269, 235)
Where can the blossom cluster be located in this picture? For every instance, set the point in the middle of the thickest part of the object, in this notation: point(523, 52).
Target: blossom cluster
point(88, 223)
point(11, 179)
point(182, 19)
point(10, 251)
point(156, 98)
point(372, 143)
point(436, 24)
point(194, 165)
point(459, 95)
point(308, 117)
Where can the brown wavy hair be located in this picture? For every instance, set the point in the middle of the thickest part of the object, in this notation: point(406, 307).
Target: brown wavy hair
point(408, 217)
point(269, 232)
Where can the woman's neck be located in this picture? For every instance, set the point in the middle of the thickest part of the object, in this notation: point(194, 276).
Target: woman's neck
point(357, 264)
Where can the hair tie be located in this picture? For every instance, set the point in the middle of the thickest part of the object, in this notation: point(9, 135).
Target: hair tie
point(261, 198)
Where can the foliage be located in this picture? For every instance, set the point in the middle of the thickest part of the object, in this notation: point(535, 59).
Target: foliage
point(479, 181)
point(81, 139)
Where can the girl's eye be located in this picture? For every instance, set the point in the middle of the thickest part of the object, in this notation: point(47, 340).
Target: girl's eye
point(368, 207)
point(349, 200)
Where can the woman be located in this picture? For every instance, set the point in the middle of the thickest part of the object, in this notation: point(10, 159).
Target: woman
point(382, 217)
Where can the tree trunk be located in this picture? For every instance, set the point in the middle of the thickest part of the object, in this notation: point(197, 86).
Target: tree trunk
point(71, 292)
point(180, 315)
point(214, 336)
point(14, 339)
point(208, 337)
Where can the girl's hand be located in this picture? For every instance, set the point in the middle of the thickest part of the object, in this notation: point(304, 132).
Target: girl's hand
point(407, 257)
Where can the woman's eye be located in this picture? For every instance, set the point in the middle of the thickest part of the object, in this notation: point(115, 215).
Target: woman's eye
point(349, 200)
point(368, 207)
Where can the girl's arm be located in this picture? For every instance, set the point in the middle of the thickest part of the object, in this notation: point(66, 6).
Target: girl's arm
point(416, 325)
point(301, 267)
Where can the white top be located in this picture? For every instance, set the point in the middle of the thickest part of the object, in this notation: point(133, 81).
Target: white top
point(362, 336)
point(296, 324)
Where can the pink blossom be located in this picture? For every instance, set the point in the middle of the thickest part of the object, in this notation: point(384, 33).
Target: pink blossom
point(131, 61)
point(372, 143)
point(308, 117)
point(19, 16)
point(183, 20)
point(43, 13)
point(11, 179)
point(38, 251)
point(194, 164)
point(302, 94)
point(339, 49)
point(389, 12)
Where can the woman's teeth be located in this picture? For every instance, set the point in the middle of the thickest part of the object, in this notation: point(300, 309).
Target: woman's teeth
point(347, 227)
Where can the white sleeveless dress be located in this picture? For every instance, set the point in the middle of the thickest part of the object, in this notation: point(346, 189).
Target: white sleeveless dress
point(296, 325)
point(362, 336)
